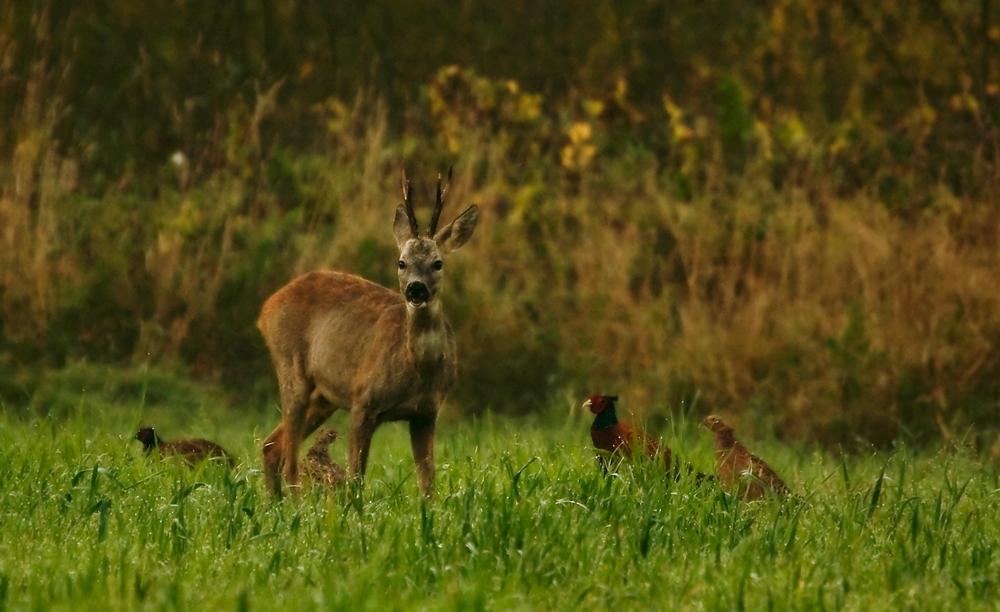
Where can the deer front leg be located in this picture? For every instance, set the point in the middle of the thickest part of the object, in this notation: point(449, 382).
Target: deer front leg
point(422, 442)
point(359, 442)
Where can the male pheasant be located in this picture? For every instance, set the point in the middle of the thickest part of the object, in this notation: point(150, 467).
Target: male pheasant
point(619, 439)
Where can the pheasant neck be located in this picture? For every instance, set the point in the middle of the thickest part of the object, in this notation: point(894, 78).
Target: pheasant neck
point(724, 441)
point(605, 419)
point(149, 445)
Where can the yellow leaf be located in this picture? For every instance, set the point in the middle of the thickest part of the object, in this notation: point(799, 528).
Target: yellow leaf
point(621, 92)
point(681, 132)
point(529, 106)
point(567, 157)
point(928, 113)
point(672, 109)
point(593, 107)
point(579, 132)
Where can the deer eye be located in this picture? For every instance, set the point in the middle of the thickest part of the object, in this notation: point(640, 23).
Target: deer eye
point(402, 264)
point(438, 264)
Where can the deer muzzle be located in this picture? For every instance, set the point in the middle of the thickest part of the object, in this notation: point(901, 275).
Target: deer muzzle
point(417, 294)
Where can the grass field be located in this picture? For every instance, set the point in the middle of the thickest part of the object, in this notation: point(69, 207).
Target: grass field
point(522, 520)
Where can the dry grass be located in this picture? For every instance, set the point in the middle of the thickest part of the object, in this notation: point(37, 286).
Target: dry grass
point(818, 311)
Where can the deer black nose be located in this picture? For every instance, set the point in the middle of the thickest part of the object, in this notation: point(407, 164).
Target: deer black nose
point(417, 293)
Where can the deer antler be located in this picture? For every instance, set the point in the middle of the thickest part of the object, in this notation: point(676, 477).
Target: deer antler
point(408, 206)
point(438, 205)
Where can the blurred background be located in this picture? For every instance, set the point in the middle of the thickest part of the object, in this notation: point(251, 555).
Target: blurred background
point(783, 209)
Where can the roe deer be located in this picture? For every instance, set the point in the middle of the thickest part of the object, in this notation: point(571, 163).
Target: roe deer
point(339, 341)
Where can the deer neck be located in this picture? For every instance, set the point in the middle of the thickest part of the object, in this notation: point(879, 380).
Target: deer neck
point(426, 334)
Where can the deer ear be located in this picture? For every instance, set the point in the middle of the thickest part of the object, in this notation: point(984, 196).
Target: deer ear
point(458, 232)
point(401, 226)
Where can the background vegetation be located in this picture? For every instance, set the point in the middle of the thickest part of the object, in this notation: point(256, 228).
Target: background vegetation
point(787, 207)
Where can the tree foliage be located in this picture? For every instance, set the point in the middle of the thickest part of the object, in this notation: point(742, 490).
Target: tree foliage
point(123, 85)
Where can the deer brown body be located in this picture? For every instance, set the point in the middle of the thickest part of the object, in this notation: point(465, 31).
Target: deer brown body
point(339, 341)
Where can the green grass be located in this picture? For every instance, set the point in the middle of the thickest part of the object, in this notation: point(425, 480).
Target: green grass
point(522, 520)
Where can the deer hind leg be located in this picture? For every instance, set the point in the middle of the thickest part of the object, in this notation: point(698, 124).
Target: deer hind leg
point(273, 453)
point(295, 391)
point(318, 412)
point(422, 442)
point(294, 423)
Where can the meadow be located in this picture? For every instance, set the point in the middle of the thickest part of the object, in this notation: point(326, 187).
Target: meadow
point(523, 519)
point(783, 212)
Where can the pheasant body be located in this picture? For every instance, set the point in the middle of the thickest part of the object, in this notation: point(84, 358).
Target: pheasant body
point(193, 450)
point(318, 466)
point(742, 473)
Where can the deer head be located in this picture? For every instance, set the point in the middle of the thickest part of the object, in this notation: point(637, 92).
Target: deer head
point(421, 266)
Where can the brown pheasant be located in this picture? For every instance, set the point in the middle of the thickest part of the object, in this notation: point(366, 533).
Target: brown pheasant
point(742, 474)
point(192, 451)
point(319, 468)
